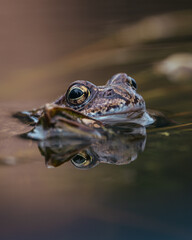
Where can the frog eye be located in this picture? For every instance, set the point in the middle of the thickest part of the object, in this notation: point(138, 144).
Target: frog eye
point(133, 83)
point(77, 94)
point(82, 160)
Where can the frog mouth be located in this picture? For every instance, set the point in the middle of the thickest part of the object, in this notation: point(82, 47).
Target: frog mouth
point(137, 116)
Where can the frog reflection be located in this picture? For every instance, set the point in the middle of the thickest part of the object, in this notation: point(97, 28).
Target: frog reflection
point(119, 149)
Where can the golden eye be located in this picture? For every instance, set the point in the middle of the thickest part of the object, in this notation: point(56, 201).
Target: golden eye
point(77, 94)
point(82, 159)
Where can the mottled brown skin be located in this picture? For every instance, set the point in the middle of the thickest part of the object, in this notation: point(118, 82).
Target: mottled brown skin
point(118, 96)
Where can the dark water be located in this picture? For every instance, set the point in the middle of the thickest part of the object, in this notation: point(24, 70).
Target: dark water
point(45, 46)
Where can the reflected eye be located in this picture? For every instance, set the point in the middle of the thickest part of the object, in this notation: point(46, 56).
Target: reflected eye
point(133, 83)
point(82, 160)
point(77, 94)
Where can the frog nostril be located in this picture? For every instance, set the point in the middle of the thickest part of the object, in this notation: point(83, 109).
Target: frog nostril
point(108, 93)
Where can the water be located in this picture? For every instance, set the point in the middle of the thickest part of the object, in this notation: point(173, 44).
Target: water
point(150, 198)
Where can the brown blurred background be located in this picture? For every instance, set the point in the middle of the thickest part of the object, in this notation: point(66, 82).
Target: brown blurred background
point(37, 33)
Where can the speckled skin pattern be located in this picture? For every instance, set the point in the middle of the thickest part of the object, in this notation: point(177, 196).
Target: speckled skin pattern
point(116, 97)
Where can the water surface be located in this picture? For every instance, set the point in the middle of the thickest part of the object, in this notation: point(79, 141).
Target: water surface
point(150, 198)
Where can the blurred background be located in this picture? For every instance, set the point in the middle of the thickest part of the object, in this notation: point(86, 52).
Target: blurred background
point(38, 34)
point(45, 45)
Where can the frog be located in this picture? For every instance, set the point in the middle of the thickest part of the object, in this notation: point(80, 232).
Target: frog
point(116, 101)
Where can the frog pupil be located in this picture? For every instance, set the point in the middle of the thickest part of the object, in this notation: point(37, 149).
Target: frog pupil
point(79, 159)
point(75, 93)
